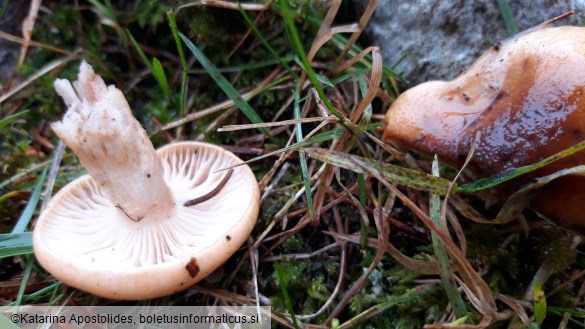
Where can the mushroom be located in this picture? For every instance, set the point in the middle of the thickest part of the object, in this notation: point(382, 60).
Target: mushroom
point(523, 99)
point(143, 223)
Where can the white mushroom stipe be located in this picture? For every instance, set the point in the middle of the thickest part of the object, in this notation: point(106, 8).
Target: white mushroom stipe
point(111, 145)
point(85, 236)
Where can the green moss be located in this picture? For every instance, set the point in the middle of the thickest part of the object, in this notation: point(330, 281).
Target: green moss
point(294, 244)
point(555, 248)
point(502, 263)
point(150, 14)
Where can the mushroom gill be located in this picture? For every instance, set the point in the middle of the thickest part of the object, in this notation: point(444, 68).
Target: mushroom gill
point(523, 99)
point(89, 226)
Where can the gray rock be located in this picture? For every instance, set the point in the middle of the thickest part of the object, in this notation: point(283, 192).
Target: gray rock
point(441, 38)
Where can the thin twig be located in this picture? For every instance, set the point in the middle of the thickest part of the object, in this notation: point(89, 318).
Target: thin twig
point(44, 70)
point(227, 5)
point(275, 181)
point(290, 257)
point(13, 38)
point(254, 259)
point(211, 193)
point(278, 123)
point(27, 28)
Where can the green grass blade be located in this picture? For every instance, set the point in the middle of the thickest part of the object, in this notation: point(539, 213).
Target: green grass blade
point(520, 199)
point(155, 67)
point(26, 275)
point(407, 297)
point(259, 35)
point(340, 41)
point(539, 304)
point(8, 120)
point(344, 77)
point(324, 81)
point(105, 8)
point(184, 67)
point(508, 17)
point(576, 319)
point(24, 173)
point(320, 78)
point(351, 74)
point(8, 196)
point(322, 137)
point(160, 76)
point(485, 183)
point(367, 114)
point(253, 65)
point(302, 159)
point(15, 244)
point(50, 292)
point(139, 50)
point(364, 121)
point(399, 60)
point(296, 41)
point(283, 280)
point(29, 210)
point(445, 270)
point(109, 12)
point(224, 84)
point(394, 174)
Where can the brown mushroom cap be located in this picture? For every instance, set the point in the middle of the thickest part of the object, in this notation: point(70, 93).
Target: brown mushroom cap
point(88, 243)
point(524, 98)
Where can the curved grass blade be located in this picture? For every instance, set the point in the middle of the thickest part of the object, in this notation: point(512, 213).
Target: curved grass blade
point(184, 67)
point(159, 74)
point(485, 183)
point(225, 85)
point(274, 53)
point(8, 120)
point(340, 41)
point(15, 244)
point(283, 279)
point(521, 198)
point(28, 212)
point(302, 160)
point(576, 319)
point(29, 259)
point(446, 271)
point(509, 21)
point(322, 137)
point(155, 66)
point(139, 50)
point(296, 42)
point(394, 174)
point(539, 298)
point(409, 296)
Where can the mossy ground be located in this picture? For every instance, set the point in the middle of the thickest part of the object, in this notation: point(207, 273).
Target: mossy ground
point(316, 261)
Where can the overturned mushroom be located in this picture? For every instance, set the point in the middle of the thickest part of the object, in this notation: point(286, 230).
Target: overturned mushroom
point(143, 223)
point(524, 99)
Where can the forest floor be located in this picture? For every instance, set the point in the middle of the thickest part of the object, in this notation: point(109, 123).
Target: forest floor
point(349, 233)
